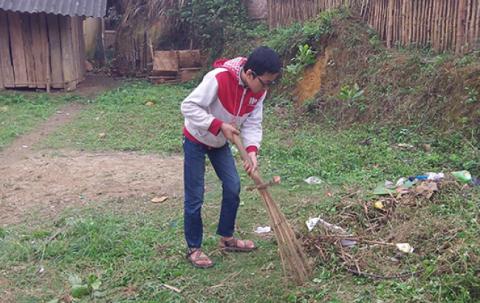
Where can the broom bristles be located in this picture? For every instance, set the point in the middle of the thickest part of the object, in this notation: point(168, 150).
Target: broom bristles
point(293, 258)
point(294, 262)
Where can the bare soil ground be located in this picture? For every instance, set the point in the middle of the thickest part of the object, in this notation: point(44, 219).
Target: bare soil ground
point(47, 181)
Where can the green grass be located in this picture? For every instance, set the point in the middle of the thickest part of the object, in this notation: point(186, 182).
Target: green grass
point(20, 113)
point(134, 247)
point(360, 154)
point(121, 120)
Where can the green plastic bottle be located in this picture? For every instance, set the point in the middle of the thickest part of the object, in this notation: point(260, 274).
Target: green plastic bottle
point(463, 176)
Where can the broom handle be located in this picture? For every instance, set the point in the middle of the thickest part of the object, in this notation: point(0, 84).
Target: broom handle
point(243, 153)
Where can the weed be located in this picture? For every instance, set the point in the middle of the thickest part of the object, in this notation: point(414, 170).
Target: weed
point(286, 39)
point(305, 57)
point(350, 93)
point(473, 95)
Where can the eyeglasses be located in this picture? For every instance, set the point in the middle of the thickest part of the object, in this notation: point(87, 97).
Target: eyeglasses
point(263, 83)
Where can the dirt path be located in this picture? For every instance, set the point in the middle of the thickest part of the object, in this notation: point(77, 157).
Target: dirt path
point(47, 181)
point(22, 146)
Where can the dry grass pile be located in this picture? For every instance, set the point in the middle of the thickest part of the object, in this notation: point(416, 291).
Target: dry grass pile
point(375, 235)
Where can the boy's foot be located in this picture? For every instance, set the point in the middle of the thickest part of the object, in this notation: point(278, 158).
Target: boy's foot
point(198, 258)
point(234, 244)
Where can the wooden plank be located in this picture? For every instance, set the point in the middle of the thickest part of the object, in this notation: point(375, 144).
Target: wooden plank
point(42, 18)
point(55, 50)
point(38, 52)
point(77, 37)
point(83, 55)
point(6, 66)
point(28, 50)
point(165, 61)
point(187, 74)
point(73, 34)
point(69, 76)
point(17, 49)
point(189, 58)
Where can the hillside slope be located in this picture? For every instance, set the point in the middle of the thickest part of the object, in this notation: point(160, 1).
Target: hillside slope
point(356, 79)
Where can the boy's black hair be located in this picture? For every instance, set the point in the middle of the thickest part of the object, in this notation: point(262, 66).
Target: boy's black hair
point(263, 60)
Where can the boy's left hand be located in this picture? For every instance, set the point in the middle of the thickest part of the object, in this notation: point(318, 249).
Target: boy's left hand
point(251, 166)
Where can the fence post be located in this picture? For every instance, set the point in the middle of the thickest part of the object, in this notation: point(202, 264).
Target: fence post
point(390, 23)
point(462, 11)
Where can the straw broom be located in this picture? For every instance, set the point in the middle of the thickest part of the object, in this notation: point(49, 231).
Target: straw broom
point(294, 262)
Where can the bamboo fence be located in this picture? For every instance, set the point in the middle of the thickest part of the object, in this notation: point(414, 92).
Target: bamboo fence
point(445, 25)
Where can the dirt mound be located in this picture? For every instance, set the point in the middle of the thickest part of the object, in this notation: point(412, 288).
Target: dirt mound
point(312, 80)
point(47, 182)
point(409, 87)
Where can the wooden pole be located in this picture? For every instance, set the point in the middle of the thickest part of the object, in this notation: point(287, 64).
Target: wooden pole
point(468, 19)
point(477, 26)
point(461, 26)
point(452, 17)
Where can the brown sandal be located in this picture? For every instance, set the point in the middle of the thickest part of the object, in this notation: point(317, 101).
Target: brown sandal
point(198, 258)
point(235, 244)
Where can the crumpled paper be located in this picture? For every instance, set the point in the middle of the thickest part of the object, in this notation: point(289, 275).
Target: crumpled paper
point(263, 229)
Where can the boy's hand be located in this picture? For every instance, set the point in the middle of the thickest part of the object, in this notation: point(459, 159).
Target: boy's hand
point(229, 130)
point(251, 166)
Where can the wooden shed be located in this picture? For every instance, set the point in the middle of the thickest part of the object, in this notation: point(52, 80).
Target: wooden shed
point(42, 43)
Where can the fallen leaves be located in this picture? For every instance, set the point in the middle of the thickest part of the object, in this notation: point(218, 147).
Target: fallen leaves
point(426, 189)
point(160, 199)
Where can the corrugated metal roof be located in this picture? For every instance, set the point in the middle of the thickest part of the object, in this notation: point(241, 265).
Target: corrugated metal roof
point(89, 8)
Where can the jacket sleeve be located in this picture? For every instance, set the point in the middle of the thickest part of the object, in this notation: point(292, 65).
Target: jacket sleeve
point(251, 131)
point(195, 106)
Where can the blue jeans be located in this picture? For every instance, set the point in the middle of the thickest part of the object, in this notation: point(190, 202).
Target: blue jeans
point(194, 184)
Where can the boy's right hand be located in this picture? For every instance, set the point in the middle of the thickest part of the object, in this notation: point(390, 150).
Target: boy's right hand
point(229, 130)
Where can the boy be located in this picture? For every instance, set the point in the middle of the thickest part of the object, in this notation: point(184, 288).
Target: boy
point(229, 99)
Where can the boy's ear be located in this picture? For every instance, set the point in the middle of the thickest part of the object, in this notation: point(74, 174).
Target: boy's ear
point(250, 73)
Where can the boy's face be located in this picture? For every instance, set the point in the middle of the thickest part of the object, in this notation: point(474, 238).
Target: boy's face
point(257, 83)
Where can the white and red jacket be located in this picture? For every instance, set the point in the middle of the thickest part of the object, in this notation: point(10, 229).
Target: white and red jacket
point(223, 97)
